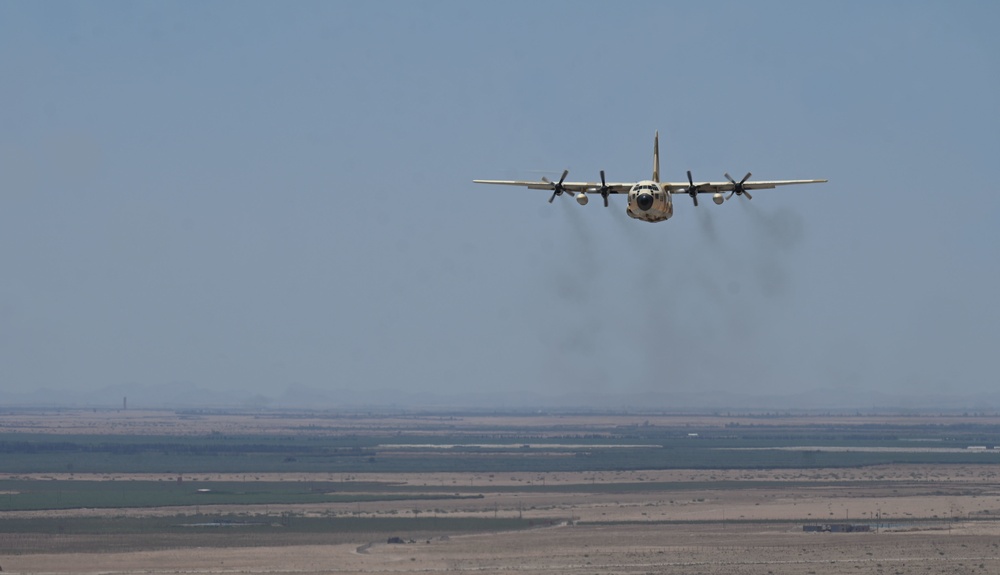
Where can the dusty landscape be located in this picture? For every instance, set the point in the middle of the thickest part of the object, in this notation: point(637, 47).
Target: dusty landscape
point(611, 537)
point(571, 549)
point(931, 518)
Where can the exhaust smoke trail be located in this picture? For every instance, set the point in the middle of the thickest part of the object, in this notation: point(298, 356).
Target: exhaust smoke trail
point(668, 313)
point(573, 323)
point(776, 233)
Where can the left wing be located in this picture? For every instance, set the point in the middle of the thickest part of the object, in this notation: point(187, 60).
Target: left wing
point(586, 187)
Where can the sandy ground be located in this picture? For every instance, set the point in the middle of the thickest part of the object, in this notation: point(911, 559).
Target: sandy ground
point(941, 519)
point(577, 549)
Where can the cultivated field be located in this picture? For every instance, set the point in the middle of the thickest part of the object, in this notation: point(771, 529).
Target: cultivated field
point(169, 492)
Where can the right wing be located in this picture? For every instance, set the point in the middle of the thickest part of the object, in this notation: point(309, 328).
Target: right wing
point(713, 187)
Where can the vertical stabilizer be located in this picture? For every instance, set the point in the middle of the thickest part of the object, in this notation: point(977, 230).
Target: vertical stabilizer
point(656, 157)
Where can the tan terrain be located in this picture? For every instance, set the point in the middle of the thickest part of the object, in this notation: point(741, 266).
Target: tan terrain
point(929, 519)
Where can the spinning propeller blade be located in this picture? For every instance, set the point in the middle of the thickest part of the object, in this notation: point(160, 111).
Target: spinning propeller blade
point(557, 187)
point(692, 189)
point(738, 187)
point(605, 190)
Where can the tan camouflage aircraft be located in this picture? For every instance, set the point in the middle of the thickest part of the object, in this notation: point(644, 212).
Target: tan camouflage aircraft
point(650, 200)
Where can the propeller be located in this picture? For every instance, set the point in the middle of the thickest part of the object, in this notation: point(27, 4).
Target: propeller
point(738, 188)
point(693, 189)
point(605, 190)
point(557, 187)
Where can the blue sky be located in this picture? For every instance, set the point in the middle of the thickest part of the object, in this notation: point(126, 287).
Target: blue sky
point(245, 196)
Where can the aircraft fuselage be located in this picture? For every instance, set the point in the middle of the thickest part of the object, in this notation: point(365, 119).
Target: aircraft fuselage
point(649, 202)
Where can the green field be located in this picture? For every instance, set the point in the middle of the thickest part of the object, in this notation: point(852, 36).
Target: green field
point(61, 494)
point(500, 450)
point(24, 495)
point(229, 523)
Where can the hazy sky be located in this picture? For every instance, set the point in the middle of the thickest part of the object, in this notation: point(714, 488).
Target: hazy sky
point(247, 196)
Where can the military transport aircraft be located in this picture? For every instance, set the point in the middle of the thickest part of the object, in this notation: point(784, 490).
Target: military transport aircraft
point(649, 200)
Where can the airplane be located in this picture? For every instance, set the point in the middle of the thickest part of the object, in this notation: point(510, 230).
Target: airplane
point(650, 200)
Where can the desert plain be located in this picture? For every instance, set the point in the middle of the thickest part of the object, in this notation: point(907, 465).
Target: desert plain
point(923, 499)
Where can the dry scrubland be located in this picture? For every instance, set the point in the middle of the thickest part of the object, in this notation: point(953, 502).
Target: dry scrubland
point(936, 518)
point(572, 549)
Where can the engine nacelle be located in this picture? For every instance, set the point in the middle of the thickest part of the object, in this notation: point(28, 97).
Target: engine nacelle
point(718, 199)
point(582, 199)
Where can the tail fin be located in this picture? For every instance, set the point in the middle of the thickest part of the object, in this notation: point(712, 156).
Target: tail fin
point(656, 157)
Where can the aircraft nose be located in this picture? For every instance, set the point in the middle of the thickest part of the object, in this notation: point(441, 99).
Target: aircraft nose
point(644, 201)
